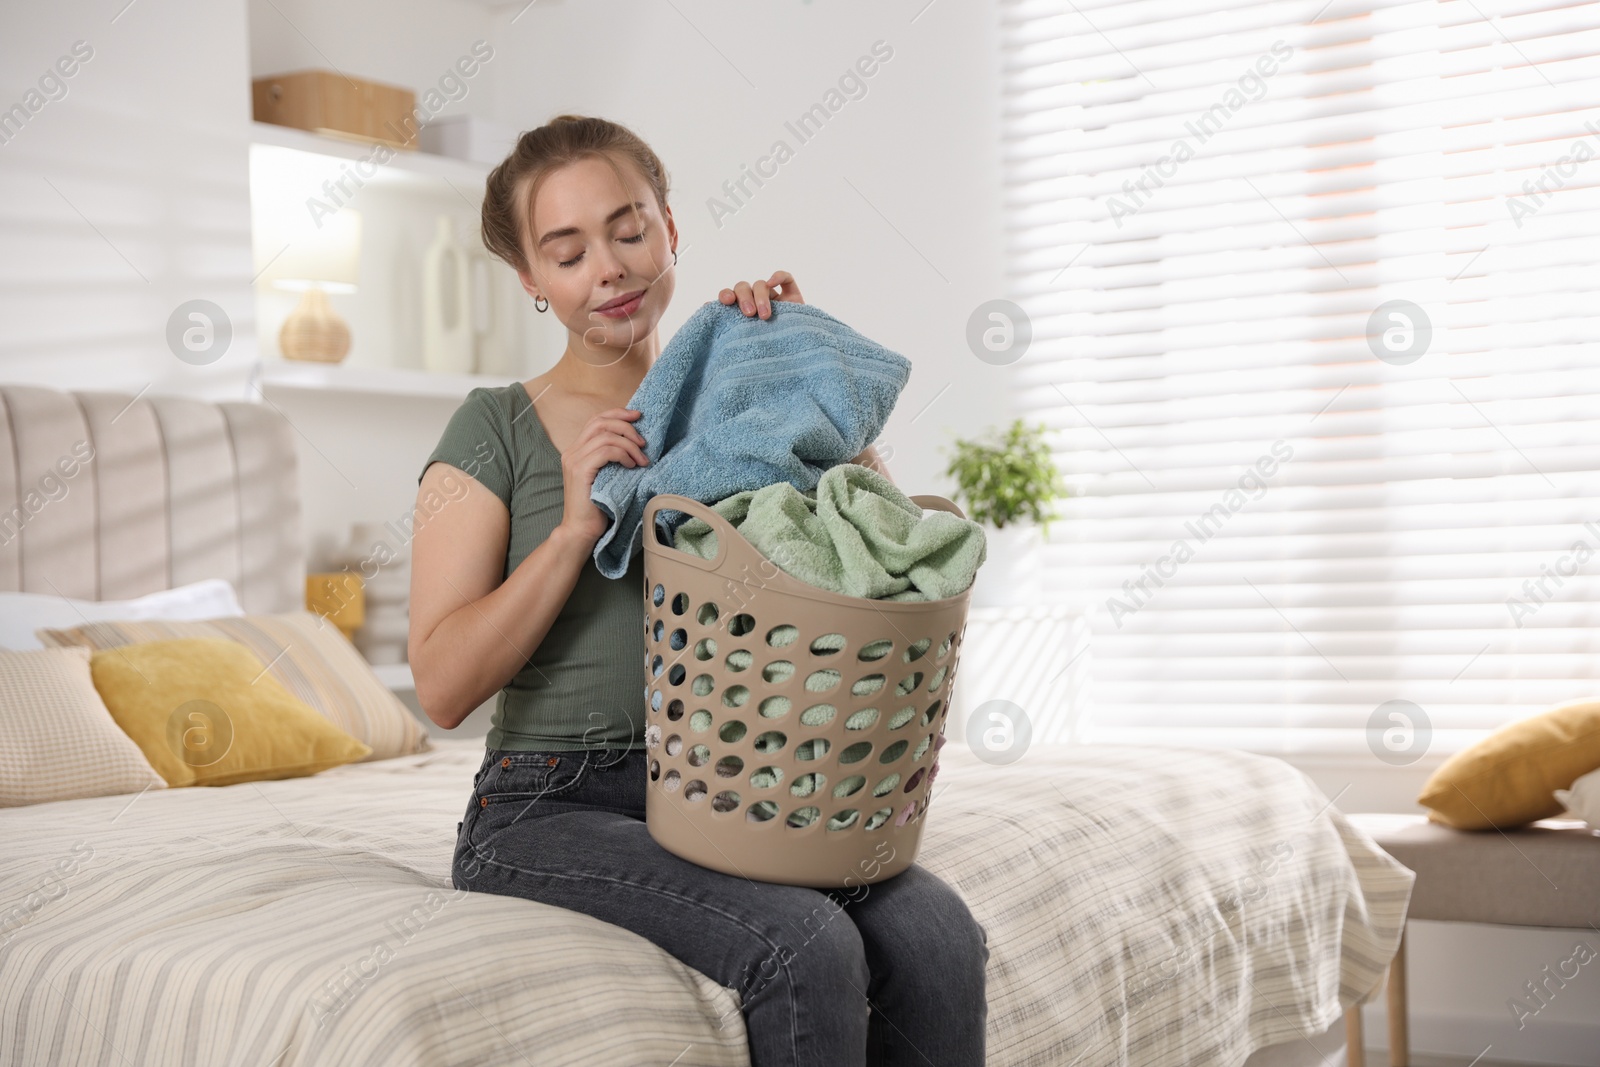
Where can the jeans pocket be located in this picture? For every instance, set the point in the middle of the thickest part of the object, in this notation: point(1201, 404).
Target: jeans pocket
point(516, 788)
point(527, 776)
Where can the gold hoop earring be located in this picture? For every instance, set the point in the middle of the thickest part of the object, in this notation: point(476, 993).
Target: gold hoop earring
point(541, 310)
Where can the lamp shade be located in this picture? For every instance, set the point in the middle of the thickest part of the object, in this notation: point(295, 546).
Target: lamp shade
point(295, 251)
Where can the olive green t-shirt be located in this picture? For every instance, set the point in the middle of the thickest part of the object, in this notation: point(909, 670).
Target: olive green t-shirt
point(584, 686)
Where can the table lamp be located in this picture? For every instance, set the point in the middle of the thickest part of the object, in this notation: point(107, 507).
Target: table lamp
point(314, 257)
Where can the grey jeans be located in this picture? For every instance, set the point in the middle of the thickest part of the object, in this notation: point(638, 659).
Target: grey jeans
point(888, 973)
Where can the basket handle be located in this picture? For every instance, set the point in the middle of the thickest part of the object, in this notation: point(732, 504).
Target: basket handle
point(674, 502)
point(938, 503)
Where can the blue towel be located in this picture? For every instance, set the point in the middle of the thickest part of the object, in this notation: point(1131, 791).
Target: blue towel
point(736, 402)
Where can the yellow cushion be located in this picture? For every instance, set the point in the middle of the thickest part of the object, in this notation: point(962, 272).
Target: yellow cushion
point(205, 711)
point(1510, 777)
point(304, 652)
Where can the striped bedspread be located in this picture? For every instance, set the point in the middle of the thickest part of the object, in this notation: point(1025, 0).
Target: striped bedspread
point(1144, 907)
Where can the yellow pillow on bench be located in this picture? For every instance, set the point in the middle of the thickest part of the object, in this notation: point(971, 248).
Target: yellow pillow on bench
point(205, 711)
point(1510, 777)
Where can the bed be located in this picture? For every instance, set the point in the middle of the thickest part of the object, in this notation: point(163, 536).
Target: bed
point(1144, 906)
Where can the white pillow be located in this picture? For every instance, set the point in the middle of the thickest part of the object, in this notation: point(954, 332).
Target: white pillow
point(1583, 799)
point(23, 613)
point(58, 740)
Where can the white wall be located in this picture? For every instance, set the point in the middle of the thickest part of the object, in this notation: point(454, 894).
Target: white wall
point(124, 197)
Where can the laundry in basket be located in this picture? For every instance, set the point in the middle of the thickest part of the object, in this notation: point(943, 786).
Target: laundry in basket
point(855, 534)
point(735, 403)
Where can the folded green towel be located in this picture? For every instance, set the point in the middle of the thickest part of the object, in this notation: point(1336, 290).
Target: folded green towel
point(856, 534)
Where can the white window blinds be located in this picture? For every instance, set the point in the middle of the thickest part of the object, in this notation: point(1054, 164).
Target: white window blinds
point(1313, 293)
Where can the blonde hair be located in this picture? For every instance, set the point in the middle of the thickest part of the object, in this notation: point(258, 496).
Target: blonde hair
point(511, 187)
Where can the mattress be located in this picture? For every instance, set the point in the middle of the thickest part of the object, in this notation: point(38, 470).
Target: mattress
point(1144, 906)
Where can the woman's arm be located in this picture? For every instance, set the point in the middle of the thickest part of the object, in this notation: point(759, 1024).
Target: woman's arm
point(471, 633)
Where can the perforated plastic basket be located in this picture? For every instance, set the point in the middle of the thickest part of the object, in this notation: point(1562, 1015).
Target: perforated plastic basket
point(790, 729)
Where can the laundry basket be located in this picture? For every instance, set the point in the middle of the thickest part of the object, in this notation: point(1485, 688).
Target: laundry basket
point(790, 729)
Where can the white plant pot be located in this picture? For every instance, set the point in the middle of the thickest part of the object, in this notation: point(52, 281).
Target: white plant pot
point(1009, 576)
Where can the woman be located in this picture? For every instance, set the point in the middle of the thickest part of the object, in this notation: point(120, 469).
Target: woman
point(505, 596)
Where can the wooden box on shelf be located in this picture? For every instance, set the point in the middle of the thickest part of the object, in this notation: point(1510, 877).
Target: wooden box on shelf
point(324, 101)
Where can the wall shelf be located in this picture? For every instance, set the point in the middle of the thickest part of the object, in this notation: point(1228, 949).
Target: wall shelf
point(381, 381)
point(405, 166)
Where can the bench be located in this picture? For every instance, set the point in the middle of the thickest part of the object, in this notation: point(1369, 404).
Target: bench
point(1544, 874)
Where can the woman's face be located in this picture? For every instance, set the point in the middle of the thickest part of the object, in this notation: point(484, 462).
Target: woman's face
point(593, 242)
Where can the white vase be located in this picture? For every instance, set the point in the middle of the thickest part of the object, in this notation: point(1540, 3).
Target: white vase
point(488, 351)
point(1009, 576)
point(447, 310)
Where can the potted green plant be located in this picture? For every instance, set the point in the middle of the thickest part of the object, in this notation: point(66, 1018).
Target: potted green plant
point(1009, 483)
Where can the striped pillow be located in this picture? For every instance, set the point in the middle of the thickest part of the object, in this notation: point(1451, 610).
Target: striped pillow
point(305, 652)
point(58, 740)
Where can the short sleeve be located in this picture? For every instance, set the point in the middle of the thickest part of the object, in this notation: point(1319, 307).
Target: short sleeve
point(475, 441)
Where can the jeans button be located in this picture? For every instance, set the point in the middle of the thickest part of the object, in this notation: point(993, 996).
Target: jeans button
point(506, 762)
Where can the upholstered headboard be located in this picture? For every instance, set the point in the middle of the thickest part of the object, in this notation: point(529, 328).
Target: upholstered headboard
point(106, 496)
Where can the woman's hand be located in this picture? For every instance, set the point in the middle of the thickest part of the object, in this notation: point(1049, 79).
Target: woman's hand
point(756, 298)
point(606, 438)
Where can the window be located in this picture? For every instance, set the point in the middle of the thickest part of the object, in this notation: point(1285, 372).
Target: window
point(1314, 293)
